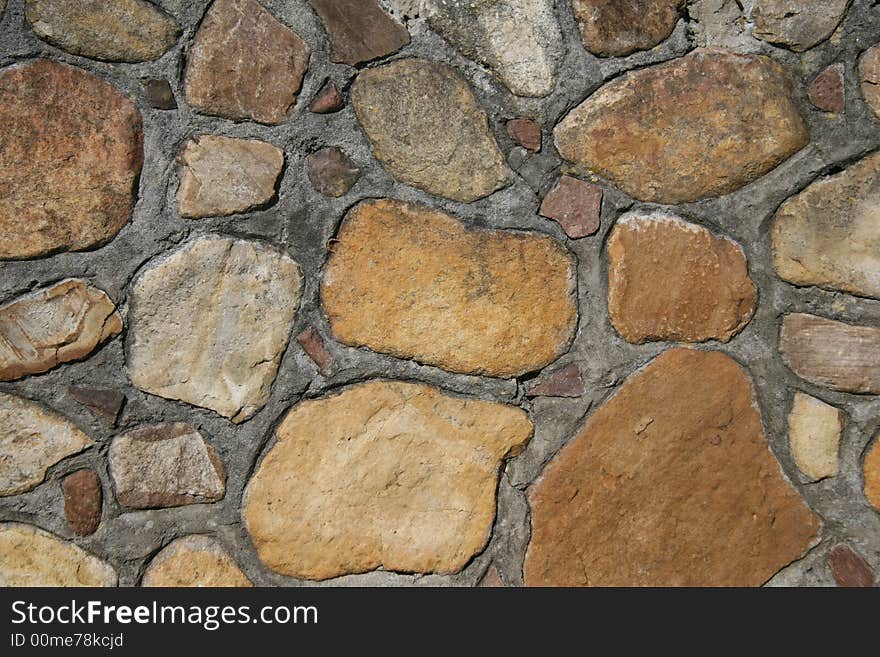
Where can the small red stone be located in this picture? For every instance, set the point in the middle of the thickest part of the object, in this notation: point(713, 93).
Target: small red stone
point(566, 382)
point(526, 133)
point(328, 100)
point(82, 501)
point(849, 568)
point(491, 579)
point(101, 401)
point(313, 344)
point(828, 91)
point(575, 205)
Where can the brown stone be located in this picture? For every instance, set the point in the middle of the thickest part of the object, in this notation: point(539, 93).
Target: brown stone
point(849, 568)
point(696, 127)
point(869, 77)
point(491, 579)
point(70, 158)
point(159, 94)
point(616, 28)
point(313, 344)
point(832, 354)
point(331, 172)
point(669, 483)
point(105, 403)
point(871, 471)
point(566, 382)
point(359, 30)
point(245, 64)
point(827, 91)
point(797, 24)
point(328, 100)
point(194, 561)
point(54, 325)
point(526, 133)
point(413, 282)
point(82, 501)
point(575, 205)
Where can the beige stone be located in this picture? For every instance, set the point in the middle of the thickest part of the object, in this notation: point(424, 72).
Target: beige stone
point(194, 561)
point(797, 24)
point(871, 471)
point(869, 77)
point(383, 474)
point(814, 429)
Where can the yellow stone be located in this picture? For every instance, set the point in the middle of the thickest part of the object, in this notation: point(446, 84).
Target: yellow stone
point(194, 561)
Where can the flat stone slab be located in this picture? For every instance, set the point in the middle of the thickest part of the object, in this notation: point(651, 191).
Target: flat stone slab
point(814, 429)
point(797, 24)
point(194, 560)
point(359, 30)
point(869, 77)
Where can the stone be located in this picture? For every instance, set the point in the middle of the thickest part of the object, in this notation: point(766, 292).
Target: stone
point(223, 176)
point(814, 429)
point(30, 556)
point(670, 482)
point(331, 172)
point(194, 561)
point(871, 472)
point(118, 31)
point(159, 94)
point(869, 77)
point(669, 279)
point(209, 324)
point(797, 24)
point(82, 501)
point(831, 354)
point(399, 476)
point(54, 325)
point(359, 30)
point(829, 234)
point(491, 579)
point(71, 157)
point(575, 205)
point(617, 28)
point(406, 280)
point(849, 568)
point(827, 91)
point(426, 128)
point(526, 133)
point(696, 127)
point(244, 64)
point(566, 382)
point(33, 440)
point(165, 465)
point(328, 100)
point(313, 344)
point(101, 401)
point(518, 40)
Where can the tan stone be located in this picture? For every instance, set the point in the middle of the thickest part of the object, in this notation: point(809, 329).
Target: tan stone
point(30, 556)
point(210, 322)
point(797, 24)
point(814, 430)
point(72, 152)
point(194, 561)
point(871, 471)
point(616, 28)
point(54, 325)
point(696, 127)
point(32, 439)
point(669, 279)
point(413, 282)
point(384, 474)
point(669, 483)
point(869, 77)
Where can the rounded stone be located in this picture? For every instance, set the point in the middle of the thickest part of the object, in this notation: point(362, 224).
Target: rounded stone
point(194, 561)
point(616, 28)
point(797, 24)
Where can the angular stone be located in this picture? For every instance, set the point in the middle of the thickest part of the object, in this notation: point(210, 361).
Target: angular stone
point(829, 234)
point(223, 176)
point(32, 440)
point(575, 205)
point(165, 465)
point(566, 382)
point(491, 579)
point(669, 279)
point(616, 28)
point(871, 472)
point(359, 30)
point(313, 344)
point(869, 77)
point(245, 64)
point(399, 476)
point(118, 31)
point(519, 40)
point(526, 133)
point(669, 483)
point(194, 561)
point(159, 94)
point(72, 148)
point(413, 282)
point(426, 128)
point(848, 567)
point(331, 172)
point(814, 430)
point(832, 354)
point(82, 501)
point(699, 126)
point(827, 91)
point(328, 100)
point(54, 325)
point(210, 322)
point(30, 556)
point(105, 403)
point(797, 24)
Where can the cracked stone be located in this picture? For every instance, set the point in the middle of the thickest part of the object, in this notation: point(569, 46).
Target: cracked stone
point(871, 472)
point(869, 77)
point(526, 133)
point(814, 429)
point(101, 401)
point(566, 382)
point(575, 205)
point(827, 91)
point(359, 30)
point(616, 28)
point(194, 560)
point(82, 501)
point(797, 24)
point(332, 172)
point(313, 344)
point(159, 94)
point(328, 100)
point(849, 568)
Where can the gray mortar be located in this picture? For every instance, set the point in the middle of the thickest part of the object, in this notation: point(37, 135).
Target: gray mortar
point(301, 221)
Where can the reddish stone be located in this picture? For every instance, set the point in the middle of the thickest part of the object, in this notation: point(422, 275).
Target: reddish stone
point(526, 133)
point(328, 100)
point(566, 382)
point(575, 205)
point(828, 91)
point(82, 501)
point(359, 30)
point(491, 579)
point(331, 172)
point(313, 344)
point(102, 402)
point(849, 568)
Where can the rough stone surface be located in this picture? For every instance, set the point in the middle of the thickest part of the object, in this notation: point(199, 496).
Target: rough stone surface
point(359, 30)
point(871, 472)
point(245, 64)
point(869, 77)
point(426, 128)
point(575, 205)
point(669, 483)
point(313, 344)
point(797, 24)
point(71, 154)
point(814, 429)
point(410, 281)
point(827, 91)
point(526, 133)
point(849, 568)
point(331, 172)
point(31, 441)
point(194, 561)
point(101, 401)
point(210, 322)
point(118, 31)
point(30, 556)
point(616, 28)
point(699, 126)
point(328, 100)
point(159, 94)
point(82, 501)
point(165, 465)
point(566, 382)
point(669, 279)
point(223, 176)
point(54, 325)
point(399, 476)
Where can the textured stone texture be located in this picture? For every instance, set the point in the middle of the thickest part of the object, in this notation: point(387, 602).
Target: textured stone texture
point(566, 382)
point(118, 31)
point(827, 91)
point(871, 472)
point(426, 128)
point(669, 279)
point(575, 205)
point(491, 579)
point(313, 344)
point(359, 30)
point(31, 441)
point(210, 321)
point(82, 501)
point(399, 476)
point(849, 568)
point(699, 126)
point(414, 282)
point(223, 176)
point(70, 154)
point(814, 429)
point(331, 172)
point(165, 465)
point(869, 77)
point(194, 561)
point(101, 401)
point(159, 94)
point(328, 100)
point(245, 64)
point(30, 556)
point(616, 28)
point(54, 325)
point(797, 24)
point(526, 133)
point(669, 483)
